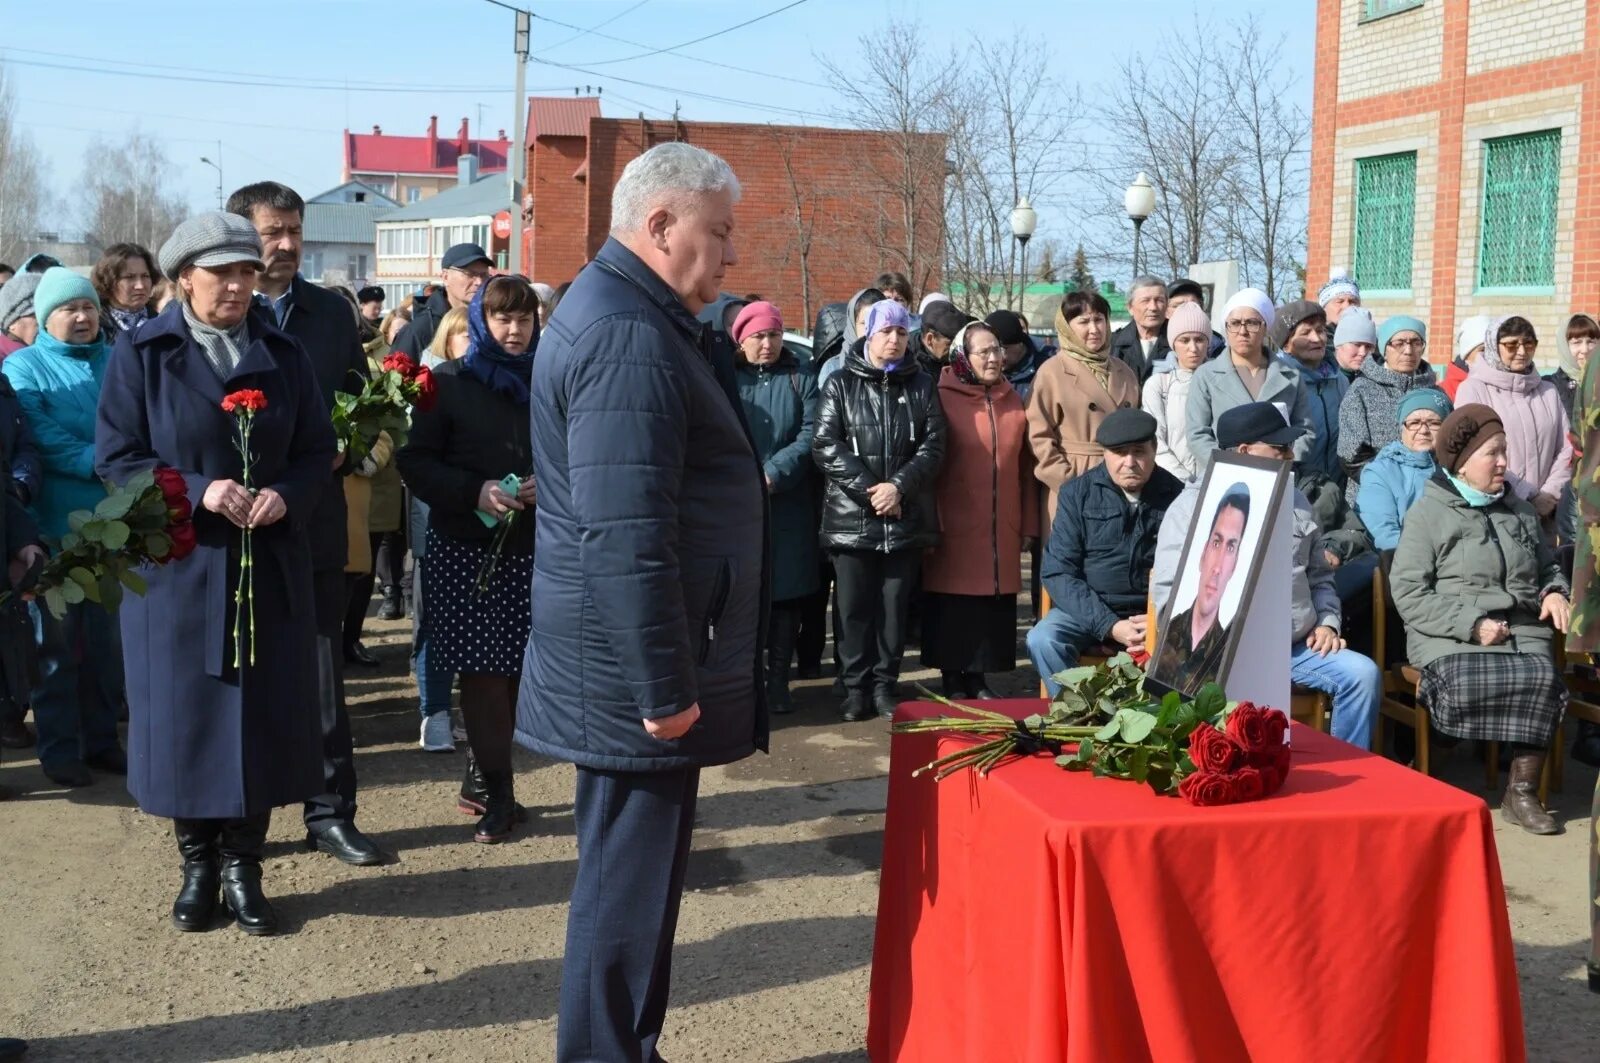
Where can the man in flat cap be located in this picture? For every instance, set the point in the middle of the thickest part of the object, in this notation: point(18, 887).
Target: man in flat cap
point(1102, 545)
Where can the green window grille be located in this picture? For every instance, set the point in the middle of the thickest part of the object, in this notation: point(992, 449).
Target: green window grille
point(1379, 8)
point(1386, 207)
point(1521, 185)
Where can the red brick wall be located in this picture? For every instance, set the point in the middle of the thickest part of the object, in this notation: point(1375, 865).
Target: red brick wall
point(553, 244)
point(851, 215)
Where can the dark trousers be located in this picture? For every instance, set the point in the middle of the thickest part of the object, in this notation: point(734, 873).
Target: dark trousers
point(337, 802)
point(873, 592)
point(633, 845)
point(234, 840)
point(388, 565)
point(814, 618)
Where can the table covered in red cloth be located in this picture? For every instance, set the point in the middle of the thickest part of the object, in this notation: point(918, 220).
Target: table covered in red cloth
point(1040, 915)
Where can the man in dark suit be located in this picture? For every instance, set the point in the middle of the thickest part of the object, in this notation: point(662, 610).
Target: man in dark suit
point(644, 665)
point(1142, 342)
point(325, 324)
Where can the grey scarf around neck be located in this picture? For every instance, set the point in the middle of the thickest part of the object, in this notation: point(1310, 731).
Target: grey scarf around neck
point(222, 347)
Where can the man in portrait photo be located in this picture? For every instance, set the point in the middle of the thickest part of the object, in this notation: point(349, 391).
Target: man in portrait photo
point(1191, 656)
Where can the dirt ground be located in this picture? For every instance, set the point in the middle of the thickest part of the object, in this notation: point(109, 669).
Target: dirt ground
point(452, 950)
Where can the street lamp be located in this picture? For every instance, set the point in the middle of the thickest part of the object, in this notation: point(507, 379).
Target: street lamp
point(1023, 219)
point(1140, 202)
point(218, 168)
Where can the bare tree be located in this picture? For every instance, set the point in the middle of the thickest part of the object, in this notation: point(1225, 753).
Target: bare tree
point(804, 198)
point(1267, 188)
point(127, 192)
point(22, 190)
point(895, 86)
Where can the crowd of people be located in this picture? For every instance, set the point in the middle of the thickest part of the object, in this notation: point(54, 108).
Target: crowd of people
point(633, 519)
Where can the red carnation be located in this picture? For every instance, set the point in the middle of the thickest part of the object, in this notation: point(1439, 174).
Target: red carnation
point(1213, 751)
point(245, 399)
point(1249, 726)
point(183, 541)
point(401, 363)
point(1208, 788)
point(427, 393)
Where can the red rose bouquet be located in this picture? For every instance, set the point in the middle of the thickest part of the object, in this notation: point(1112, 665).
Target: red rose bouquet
point(244, 405)
point(148, 520)
point(1102, 721)
point(384, 405)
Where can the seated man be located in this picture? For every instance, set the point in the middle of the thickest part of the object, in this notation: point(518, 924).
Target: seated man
point(1102, 543)
point(1317, 655)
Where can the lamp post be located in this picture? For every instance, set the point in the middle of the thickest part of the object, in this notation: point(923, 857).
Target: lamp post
point(1023, 219)
point(217, 167)
point(1140, 202)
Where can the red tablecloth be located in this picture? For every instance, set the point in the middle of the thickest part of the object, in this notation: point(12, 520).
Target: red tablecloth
point(1039, 915)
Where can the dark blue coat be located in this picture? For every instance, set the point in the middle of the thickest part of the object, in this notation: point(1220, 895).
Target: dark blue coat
point(1097, 562)
point(649, 573)
point(780, 402)
point(204, 741)
point(20, 453)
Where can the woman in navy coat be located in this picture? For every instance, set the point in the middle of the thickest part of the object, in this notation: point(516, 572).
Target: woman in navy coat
point(213, 744)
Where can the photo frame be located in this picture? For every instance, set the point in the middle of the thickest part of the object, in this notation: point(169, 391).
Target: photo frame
point(1241, 502)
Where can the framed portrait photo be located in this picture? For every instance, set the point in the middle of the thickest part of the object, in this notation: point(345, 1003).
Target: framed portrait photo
point(1200, 628)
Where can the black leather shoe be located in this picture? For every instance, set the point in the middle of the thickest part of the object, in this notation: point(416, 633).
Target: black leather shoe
point(885, 702)
point(858, 707)
point(16, 734)
point(473, 800)
point(355, 653)
point(393, 607)
point(808, 671)
point(113, 761)
point(345, 842)
point(12, 1048)
point(242, 896)
point(196, 906)
point(69, 773)
point(500, 809)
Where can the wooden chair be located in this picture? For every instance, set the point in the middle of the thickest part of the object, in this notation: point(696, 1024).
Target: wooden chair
point(1093, 655)
point(1402, 702)
point(1583, 702)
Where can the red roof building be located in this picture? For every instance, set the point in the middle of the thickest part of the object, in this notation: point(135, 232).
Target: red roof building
point(409, 169)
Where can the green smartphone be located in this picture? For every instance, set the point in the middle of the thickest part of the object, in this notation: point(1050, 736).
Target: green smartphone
point(511, 483)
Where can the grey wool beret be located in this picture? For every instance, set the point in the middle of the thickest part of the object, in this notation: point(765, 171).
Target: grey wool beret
point(16, 298)
point(215, 238)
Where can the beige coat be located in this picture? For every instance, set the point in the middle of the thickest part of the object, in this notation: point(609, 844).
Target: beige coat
point(1064, 412)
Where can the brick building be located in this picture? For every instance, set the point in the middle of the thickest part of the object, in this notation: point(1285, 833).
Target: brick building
point(1456, 158)
point(410, 169)
point(855, 227)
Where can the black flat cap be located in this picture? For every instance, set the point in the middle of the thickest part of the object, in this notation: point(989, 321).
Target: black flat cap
point(945, 319)
point(1255, 422)
point(1006, 326)
point(1124, 428)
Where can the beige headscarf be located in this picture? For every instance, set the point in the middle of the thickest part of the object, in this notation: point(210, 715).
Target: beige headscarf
point(1095, 361)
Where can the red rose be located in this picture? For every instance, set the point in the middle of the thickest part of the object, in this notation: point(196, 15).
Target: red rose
point(172, 485)
point(1213, 751)
point(1248, 725)
point(1250, 784)
point(1208, 788)
point(427, 392)
point(183, 541)
point(245, 399)
point(1274, 765)
point(401, 363)
point(179, 510)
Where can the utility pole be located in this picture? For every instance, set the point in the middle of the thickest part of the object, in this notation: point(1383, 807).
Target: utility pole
point(517, 164)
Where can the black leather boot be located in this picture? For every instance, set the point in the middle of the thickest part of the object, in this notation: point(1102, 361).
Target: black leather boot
point(978, 687)
point(857, 707)
point(500, 808)
point(780, 653)
point(196, 906)
point(955, 685)
point(885, 701)
point(1521, 802)
point(394, 606)
point(240, 845)
point(474, 796)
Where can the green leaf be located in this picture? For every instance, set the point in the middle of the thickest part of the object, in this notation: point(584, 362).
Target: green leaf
point(115, 507)
point(78, 518)
point(1085, 751)
point(158, 546)
point(72, 593)
point(1210, 701)
point(140, 482)
point(1072, 677)
point(115, 535)
point(1034, 722)
point(81, 575)
point(1160, 779)
point(1110, 730)
point(56, 602)
point(1136, 725)
point(133, 581)
point(1139, 765)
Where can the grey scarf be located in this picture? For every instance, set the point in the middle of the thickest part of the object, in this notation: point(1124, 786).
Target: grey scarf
point(222, 347)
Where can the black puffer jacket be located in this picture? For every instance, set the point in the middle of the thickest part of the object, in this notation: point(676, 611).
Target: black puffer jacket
point(873, 427)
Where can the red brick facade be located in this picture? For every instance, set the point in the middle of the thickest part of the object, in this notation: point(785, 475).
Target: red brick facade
point(855, 226)
point(1496, 63)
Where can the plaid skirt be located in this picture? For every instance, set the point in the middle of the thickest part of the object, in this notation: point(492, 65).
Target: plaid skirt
point(1495, 697)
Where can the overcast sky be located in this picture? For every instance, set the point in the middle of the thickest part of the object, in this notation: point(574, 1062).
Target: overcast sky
point(110, 67)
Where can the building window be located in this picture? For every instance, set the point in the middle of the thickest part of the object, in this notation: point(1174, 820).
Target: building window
point(1371, 9)
point(1386, 205)
point(1517, 230)
point(413, 193)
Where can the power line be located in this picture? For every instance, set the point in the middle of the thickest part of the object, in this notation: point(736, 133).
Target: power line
point(771, 108)
point(701, 40)
point(591, 29)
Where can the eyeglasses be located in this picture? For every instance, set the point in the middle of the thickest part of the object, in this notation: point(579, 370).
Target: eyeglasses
point(1519, 346)
point(1407, 345)
point(987, 354)
point(1244, 326)
point(1422, 426)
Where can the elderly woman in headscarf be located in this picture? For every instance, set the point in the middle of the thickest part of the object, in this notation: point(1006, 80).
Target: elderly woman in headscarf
point(1073, 392)
point(988, 509)
point(1394, 480)
point(1538, 443)
point(1247, 374)
point(880, 441)
point(1368, 416)
point(1480, 593)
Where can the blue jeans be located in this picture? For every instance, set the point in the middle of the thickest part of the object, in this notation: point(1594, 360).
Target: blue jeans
point(434, 685)
point(80, 683)
point(1354, 683)
point(1054, 644)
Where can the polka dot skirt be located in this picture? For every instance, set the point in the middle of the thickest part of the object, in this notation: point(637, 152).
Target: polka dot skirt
point(481, 634)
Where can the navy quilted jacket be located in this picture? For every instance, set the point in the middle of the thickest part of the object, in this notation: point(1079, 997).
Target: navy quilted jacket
point(649, 581)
